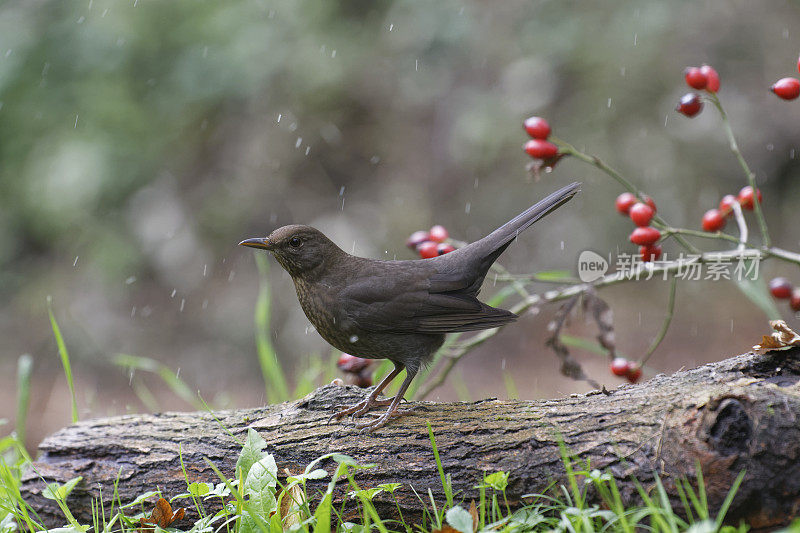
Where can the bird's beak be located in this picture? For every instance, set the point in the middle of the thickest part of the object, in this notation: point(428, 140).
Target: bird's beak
point(258, 242)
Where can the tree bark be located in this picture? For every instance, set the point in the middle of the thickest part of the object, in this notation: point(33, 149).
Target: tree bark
point(737, 414)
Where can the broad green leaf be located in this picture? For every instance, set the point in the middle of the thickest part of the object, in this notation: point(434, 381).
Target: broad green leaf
point(365, 493)
point(498, 480)
point(199, 489)
point(252, 452)
point(323, 514)
point(262, 474)
point(390, 487)
point(459, 519)
point(54, 491)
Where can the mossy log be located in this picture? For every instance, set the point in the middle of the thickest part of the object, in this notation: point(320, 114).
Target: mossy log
point(740, 414)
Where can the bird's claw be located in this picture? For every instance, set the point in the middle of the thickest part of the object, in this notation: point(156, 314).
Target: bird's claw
point(380, 421)
point(359, 409)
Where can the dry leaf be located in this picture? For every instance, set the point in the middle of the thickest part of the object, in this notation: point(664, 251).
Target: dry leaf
point(783, 337)
point(293, 496)
point(162, 516)
point(474, 512)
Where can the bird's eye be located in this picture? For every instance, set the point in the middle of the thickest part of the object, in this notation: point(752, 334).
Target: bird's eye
point(295, 241)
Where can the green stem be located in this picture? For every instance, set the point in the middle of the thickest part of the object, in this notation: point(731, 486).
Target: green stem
point(667, 319)
point(751, 177)
point(568, 149)
point(703, 234)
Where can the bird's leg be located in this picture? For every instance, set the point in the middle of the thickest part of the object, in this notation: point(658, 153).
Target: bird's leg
point(368, 427)
point(364, 405)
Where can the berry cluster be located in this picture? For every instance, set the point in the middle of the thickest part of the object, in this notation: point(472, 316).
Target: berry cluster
point(641, 213)
point(782, 289)
point(357, 370)
point(714, 219)
point(430, 243)
point(787, 88)
point(539, 147)
point(700, 78)
point(627, 369)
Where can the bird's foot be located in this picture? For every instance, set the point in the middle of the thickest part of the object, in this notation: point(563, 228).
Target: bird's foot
point(360, 408)
point(380, 420)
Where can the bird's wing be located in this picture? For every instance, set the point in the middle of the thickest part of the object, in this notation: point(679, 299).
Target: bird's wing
point(408, 301)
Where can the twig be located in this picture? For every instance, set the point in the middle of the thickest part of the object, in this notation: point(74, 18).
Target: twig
point(667, 320)
point(751, 177)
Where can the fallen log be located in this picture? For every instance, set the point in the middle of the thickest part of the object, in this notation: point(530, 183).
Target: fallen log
point(733, 415)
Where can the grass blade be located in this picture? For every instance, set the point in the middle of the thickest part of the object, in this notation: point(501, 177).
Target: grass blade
point(271, 370)
point(62, 351)
point(24, 369)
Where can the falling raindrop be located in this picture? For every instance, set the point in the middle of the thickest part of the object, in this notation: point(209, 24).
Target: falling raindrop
point(76, 122)
point(609, 103)
point(279, 118)
point(76, 261)
point(133, 311)
point(308, 149)
point(205, 270)
point(353, 339)
point(391, 27)
point(333, 54)
point(298, 142)
point(416, 65)
point(174, 292)
point(130, 280)
point(503, 364)
point(231, 275)
point(183, 303)
point(467, 208)
point(770, 147)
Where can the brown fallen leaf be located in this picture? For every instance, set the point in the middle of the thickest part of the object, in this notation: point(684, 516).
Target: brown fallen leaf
point(162, 516)
point(474, 512)
point(290, 497)
point(783, 337)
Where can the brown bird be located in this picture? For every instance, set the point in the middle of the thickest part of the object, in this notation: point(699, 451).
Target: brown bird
point(396, 310)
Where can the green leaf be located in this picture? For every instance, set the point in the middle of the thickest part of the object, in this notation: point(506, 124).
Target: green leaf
point(459, 519)
point(252, 452)
point(319, 473)
point(757, 292)
point(554, 275)
point(54, 491)
point(323, 514)
point(498, 480)
point(64, 354)
point(141, 498)
point(365, 493)
point(199, 489)
point(390, 487)
point(262, 475)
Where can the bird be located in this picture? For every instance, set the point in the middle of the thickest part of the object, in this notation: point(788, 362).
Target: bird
point(400, 310)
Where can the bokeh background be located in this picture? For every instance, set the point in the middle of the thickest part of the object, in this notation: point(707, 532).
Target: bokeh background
point(140, 141)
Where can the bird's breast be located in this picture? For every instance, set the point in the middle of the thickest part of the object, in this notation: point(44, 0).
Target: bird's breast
point(320, 303)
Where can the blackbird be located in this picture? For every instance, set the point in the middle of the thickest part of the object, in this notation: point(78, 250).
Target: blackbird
point(396, 310)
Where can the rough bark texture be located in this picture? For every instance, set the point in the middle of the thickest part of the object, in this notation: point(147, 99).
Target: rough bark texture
point(738, 414)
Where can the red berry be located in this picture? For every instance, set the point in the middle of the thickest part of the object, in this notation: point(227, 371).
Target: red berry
point(649, 201)
point(634, 372)
point(781, 288)
point(650, 253)
point(746, 197)
point(786, 88)
point(539, 149)
point(417, 238)
point(351, 363)
point(428, 249)
point(726, 204)
point(713, 220)
point(689, 105)
point(619, 366)
point(712, 84)
point(438, 233)
point(695, 78)
point(537, 127)
point(624, 202)
point(444, 248)
point(794, 301)
point(645, 236)
point(641, 214)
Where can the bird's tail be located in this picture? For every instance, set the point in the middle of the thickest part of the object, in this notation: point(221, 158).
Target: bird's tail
point(497, 241)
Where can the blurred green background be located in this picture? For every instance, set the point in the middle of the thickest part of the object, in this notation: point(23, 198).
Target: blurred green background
point(140, 141)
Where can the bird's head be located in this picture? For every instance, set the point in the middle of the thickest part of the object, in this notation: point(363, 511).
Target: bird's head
point(298, 249)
